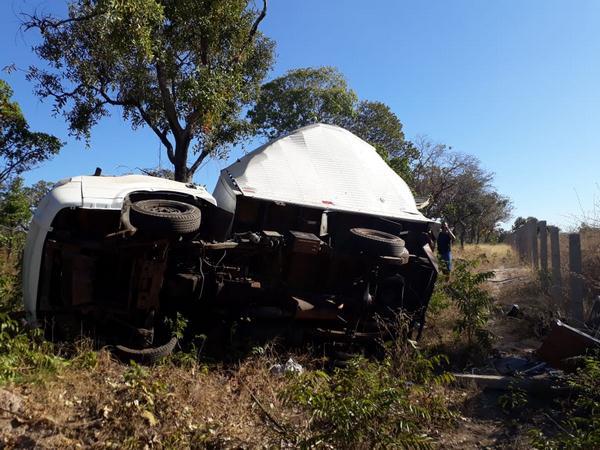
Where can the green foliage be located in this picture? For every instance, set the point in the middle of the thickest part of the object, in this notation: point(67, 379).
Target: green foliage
point(439, 298)
point(377, 124)
point(24, 354)
point(11, 248)
point(36, 192)
point(581, 427)
point(310, 95)
point(186, 69)
point(472, 300)
point(176, 325)
point(521, 221)
point(159, 173)
point(513, 401)
point(14, 205)
point(303, 97)
point(460, 190)
point(371, 404)
point(143, 394)
point(10, 290)
point(20, 148)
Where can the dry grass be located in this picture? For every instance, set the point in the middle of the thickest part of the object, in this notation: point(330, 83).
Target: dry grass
point(491, 256)
point(590, 250)
point(590, 254)
point(98, 402)
point(112, 405)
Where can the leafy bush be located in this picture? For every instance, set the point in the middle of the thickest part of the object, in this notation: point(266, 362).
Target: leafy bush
point(513, 401)
point(473, 302)
point(24, 354)
point(439, 298)
point(371, 404)
point(11, 248)
point(581, 428)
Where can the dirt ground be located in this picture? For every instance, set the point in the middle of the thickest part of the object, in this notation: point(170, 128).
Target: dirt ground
point(483, 424)
point(237, 407)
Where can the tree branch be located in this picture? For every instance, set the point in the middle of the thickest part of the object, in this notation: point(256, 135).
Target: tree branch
point(191, 122)
point(198, 161)
point(43, 23)
point(253, 31)
point(162, 135)
point(257, 22)
point(170, 110)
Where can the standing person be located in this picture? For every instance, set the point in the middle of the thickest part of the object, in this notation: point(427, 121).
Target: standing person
point(444, 243)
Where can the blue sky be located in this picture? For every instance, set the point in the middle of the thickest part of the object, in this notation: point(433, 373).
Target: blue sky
point(514, 82)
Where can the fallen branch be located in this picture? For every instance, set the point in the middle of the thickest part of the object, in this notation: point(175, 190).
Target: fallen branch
point(278, 427)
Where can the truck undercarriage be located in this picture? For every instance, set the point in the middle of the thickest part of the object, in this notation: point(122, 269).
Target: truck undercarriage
point(270, 269)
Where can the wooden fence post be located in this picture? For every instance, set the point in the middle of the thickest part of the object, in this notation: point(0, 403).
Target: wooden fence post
point(575, 278)
point(543, 253)
point(556, 288)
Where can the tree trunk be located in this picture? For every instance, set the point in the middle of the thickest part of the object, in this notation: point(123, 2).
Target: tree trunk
point(181, 170)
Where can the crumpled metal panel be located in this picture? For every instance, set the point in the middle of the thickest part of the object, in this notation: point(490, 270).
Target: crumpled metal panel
point(320, 166)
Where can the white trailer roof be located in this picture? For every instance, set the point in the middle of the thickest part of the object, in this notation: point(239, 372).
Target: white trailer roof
point(321, 166)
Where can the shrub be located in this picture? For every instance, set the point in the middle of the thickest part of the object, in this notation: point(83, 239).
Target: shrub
point(472, 300)
point(24, 354)
point(581, 426)
point(371, 404)
point(11, 248)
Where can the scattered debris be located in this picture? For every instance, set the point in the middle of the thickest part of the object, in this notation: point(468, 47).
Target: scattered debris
point(541, 384)
point(290, 366)
point(518, 366)
point(563, 342)
point(514, 311)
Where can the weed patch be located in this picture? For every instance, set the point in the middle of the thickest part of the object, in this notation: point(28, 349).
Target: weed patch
point(580, 427)
point(24, 354)
point(372, 404)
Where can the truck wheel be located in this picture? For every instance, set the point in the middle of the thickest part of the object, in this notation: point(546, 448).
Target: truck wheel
point(165, 216)
point(377, 243)
point(146, 355)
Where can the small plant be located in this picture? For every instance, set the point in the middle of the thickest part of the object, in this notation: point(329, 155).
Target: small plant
point(439, 298)
point(371, 404)
point(142, 394)
point(581, 427)
point(190, 354)
point(177, 326)
point(473, 302)
point(24, 354)
point(514, 401)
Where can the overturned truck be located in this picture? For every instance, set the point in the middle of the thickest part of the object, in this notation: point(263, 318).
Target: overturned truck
point(310, 236)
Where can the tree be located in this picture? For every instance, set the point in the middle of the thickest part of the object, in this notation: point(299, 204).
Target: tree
point(310, 95)
point(521, 221)
point(159, 172)
point(20, 148)
point(376, 123)
point(460, 190)
point(302, 97)
point(14, 205)
point(36, 192)
point(186, 69)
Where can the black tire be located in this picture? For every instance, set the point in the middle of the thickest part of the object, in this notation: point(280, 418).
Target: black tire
point(165, 216)
point(377, 243)
point(146, 355)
